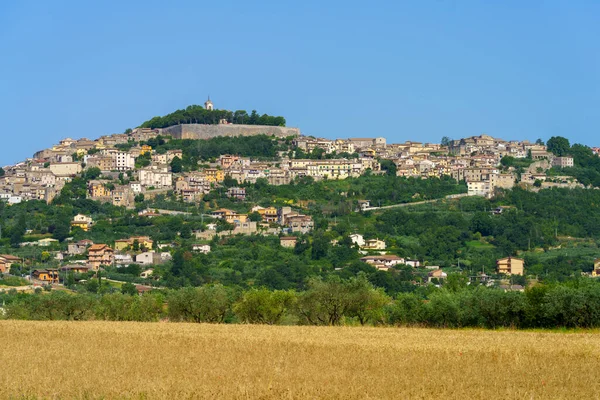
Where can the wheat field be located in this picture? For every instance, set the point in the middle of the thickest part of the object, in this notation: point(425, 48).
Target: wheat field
point(90, 360)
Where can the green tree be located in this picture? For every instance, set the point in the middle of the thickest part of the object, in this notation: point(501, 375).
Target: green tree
point(558, 145)
point(92, 173)
point(129, 288)
point(262, 306)
point(211, 303)
point(255, 216)
point(61, 231)
point(366, 303)
point(176, 165)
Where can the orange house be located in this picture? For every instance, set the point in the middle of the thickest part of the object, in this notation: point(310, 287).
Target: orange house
point(100, 254)
point(6, 261)
point(46, 275)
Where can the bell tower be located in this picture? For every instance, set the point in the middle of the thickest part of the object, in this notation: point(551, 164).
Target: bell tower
point(208, 104)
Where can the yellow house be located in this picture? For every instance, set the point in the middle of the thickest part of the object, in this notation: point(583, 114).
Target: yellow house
point(510, 266)
point(268, 214)
point(214, 175)
point(145, 149)
point(82, 221)
point(97, 189)
point(143, 241)
point(46, 275)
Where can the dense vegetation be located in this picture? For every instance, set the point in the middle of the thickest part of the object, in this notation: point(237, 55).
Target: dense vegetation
point(329, 302)
point(586, 166)
point(196, 114)
point(460, 234)
point(197, 151)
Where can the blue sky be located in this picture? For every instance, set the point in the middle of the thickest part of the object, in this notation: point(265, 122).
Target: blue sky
point(415, 70)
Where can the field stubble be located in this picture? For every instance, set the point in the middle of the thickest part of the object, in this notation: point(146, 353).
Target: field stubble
point(168, 360)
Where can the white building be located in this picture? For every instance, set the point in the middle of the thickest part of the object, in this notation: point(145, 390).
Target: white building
point(124, 161)
point(157, 177)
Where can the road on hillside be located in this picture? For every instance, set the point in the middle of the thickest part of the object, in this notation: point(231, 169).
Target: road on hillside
point(450, 196)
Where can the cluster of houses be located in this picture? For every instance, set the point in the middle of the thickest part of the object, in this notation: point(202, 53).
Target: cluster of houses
point(44, 175)
point(474, 159)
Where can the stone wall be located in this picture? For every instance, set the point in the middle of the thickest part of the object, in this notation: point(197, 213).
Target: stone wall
point(200, 131)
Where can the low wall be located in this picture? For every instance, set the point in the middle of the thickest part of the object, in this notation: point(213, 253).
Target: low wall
point(200, 131)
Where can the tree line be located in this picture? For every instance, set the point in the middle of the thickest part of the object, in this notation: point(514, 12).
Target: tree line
point(196, 114)
point(331, 301)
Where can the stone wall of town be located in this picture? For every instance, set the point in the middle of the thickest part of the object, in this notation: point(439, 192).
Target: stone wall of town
point(200, 131)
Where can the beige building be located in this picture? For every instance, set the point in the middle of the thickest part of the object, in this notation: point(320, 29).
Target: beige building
point(510, 266)
point(65, 169)
point(288, 241)
point(100, 254)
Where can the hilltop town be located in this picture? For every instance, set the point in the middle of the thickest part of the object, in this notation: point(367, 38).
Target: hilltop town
point(476, 160)
point(183, 190)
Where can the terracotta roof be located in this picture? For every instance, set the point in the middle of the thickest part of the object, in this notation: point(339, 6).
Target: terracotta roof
point(96, 247)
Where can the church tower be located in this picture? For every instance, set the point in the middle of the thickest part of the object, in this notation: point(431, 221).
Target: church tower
point(208, 104)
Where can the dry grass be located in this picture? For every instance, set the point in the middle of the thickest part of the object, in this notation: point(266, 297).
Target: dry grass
point(160, 360)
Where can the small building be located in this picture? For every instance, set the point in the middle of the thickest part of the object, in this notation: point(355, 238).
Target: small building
point(100, 254)
point(374, 244)
point(80, 247)
point(237, 193)
point(562, 162)
point(436, 274)
point(288, 241)
point(6, 261)
point(363, 204)
point(202, 248)
point(82, 221)
point(75, 269)
point(45, 275)
point(148, 258)
point(144, 242)
point(596, 270)
point(388, 260)
point(358, 239)
point(510, 266)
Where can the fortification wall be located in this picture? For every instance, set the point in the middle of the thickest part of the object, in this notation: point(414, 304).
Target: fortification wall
point(200, 131)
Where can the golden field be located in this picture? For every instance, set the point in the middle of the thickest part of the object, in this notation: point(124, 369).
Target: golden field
point(64, 360)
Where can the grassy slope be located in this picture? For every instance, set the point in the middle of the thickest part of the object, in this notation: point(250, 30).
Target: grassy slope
point(154, 360)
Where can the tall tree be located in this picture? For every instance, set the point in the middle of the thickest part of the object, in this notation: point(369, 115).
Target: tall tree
point(558, 145)
point(176, 165)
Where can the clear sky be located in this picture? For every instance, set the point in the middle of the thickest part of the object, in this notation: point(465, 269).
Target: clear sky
point(406, 70)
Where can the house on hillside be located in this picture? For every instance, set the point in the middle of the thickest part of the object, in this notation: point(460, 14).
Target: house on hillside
point(436, 274)
point(82, 221)
point(596, 270)
point(148, 258)
point(373, 244)
point(79, 247)
point(288, 241)
point(100, 254)
point(75, 269)
point(202, 248)
point(358, 239)
point(237, 193)
point(388, 260)
point(6, 261)
point(45, 275)
point(510, 266)
point(144, 242)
